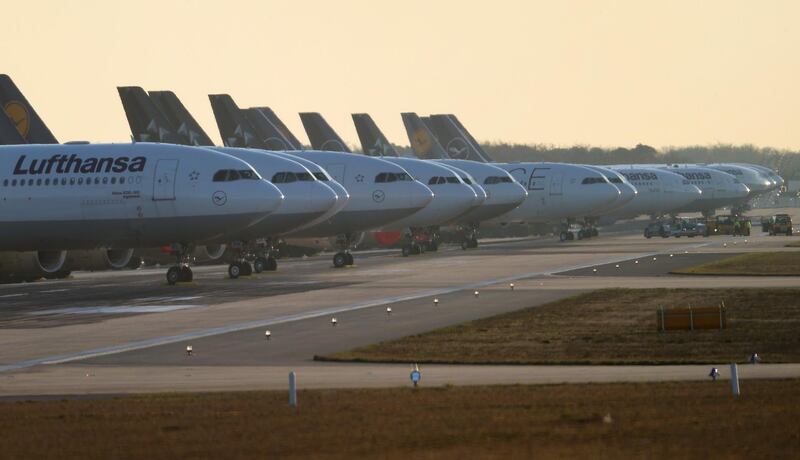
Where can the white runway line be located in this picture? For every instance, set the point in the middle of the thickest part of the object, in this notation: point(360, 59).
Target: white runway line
point(13, 295)
point(115, 310)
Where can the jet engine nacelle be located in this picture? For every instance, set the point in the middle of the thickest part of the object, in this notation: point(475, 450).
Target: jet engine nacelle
point(99, 259)
point(209, 252)
point(31, 265)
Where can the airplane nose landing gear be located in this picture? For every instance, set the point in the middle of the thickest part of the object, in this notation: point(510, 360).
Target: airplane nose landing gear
point(180, 272)
point(344, 258)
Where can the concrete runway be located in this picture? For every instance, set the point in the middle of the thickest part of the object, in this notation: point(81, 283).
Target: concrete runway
point(122, 332)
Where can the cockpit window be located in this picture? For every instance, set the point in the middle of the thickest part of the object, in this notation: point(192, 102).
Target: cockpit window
point(392, 177)
point(433, 180)
point(616, 180)
point(492, 180)
point(594, 180)
point(452, 180)
point(230, 175)
point(305, 177)
point(321, 176)
point(284, 177)
point(467, 180)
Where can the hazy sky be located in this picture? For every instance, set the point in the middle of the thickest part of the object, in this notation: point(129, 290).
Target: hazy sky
point(602, 73)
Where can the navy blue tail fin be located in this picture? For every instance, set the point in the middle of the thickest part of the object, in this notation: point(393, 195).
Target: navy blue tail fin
point(373, 142)
point(17, 108)
point(146, 121)
point(456, 143)
point(267, 131)
point(469, 137)
point(234, 128)
point(190, 132)
point(320, 133)
point(293, 141)
point(423, 142)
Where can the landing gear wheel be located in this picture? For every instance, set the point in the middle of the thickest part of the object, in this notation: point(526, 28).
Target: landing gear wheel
point(173, 275)
point(464, 245)
point(186, 274)
point(416, 249)
point(406, 251)
point(580, 234)
point(433, 246)
point(247, 269)
point(473, 243)
point(339, 260)
point(563, 236)
point(350, 260)
point(234, 270)
point(272, 264)
point(260, 264)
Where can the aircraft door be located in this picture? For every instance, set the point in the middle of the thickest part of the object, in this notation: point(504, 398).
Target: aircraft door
point(556, 183)
point(336, 171)
point(164, 180)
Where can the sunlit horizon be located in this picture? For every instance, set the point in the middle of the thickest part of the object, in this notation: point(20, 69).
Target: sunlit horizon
point(598, 73)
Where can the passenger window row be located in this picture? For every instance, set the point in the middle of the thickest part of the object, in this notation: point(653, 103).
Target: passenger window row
point(392, 177)
point(56, 181)
point(230, 175)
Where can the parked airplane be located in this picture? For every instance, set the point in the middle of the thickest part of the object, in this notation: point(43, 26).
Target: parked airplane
point(660, 192)
point(556, 191)
point(380, 192)
point(85, 196)
point(28, 123)
point(502, 193)
point(453, 198)
point(306, 198)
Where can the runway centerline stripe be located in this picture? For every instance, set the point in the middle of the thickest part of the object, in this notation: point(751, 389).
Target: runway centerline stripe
point(202, 333)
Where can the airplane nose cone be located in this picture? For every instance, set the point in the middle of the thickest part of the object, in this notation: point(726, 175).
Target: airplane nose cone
point(629, 192)
point(419, 195)
point(610, 194)
point(270, 198)
point(741, 191)
point(323, 198)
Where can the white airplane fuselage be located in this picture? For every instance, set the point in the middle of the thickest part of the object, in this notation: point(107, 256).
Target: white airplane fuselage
point(558, 191)
point(380, 192)
point(84, 196)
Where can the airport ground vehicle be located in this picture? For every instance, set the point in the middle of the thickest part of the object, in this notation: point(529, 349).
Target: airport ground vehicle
point(729, 225)
point(781, 224)
point(689, 228)
point(657, 229)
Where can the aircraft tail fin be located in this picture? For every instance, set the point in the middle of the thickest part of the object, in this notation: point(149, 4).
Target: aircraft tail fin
point(320, 133)
point(423, 142)
point(456, 143)
point(373, 142)
point(146, 121)
point(9, 135)
point(22, 115)
point(234, 128)
point(281, 127)
point(175, 112)
point(267, 131)
point(469, 137)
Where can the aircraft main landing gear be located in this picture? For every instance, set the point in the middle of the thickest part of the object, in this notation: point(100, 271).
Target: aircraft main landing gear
point(240, 268)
